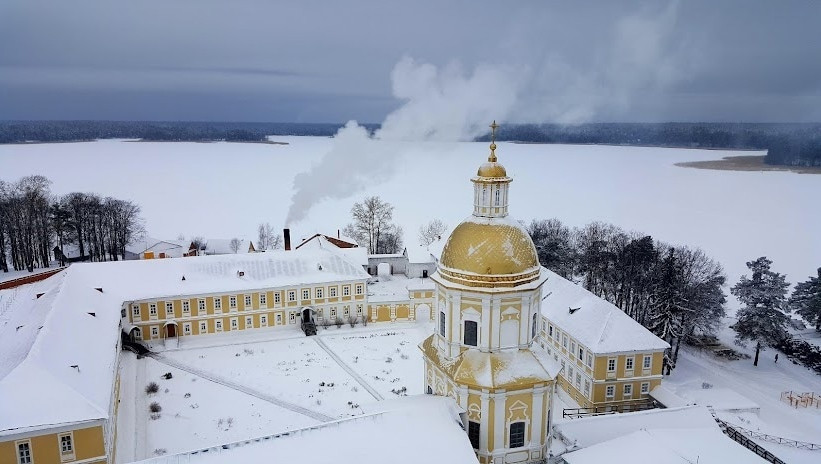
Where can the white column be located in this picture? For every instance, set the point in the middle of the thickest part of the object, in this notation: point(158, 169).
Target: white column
point(496, 323)
point(485, 341)
point(536, 417)
point(484, 422)
point(500, 419)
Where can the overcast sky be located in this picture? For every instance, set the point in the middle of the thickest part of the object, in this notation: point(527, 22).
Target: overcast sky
point(330, 61)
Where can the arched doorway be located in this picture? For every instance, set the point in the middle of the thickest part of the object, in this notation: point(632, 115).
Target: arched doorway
point(308, 325)
point(170, 328)
point(135, 334)
point(423, 313)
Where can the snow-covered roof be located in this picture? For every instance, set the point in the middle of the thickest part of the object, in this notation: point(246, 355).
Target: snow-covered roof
point(667, 446)
point(59, 351)
point(140, 244)
point(419, 254)
point(589, 431)
point(596, 323)
point(222, 246)
point(171, 248)
point(720, 399)
point(430, 432)
point(153, 278)
point(64, 352)
point(356, 254)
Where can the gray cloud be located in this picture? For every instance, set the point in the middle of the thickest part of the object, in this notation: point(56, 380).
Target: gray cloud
point(751, 60)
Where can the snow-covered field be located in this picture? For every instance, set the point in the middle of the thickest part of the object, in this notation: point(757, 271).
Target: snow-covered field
point(228, 188)
point(202, 407)
point(762, 385)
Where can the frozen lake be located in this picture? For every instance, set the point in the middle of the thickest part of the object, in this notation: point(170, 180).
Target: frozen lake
point(225, 189)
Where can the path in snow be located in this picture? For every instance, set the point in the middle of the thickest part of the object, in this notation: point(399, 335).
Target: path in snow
point(348, 369)
point(242, 388)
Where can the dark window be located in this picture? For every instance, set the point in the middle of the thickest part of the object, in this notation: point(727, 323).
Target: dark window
point(517, 434)
point(442, 324)
point(471, 328)
point(424, 273)
point(473, 434)
point(533, 329)
point(430, 390)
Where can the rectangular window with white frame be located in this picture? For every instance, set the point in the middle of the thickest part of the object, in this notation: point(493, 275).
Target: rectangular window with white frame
point(291, 295)
point(611, 365)
point(186, 328)
point(247, 301)
point(359, 309)
point(277, 298)
point(152, 310)
point(249, 322)
point(332, 292)
point(586, 388)
point(306, 294)
point(169, 309)
point(320, 293)
point(333, 311)
point(564, 341)
point(263, 320)
point(610, 391)
point(66, 446)
point(279, 319)
point(570, 375)
point(628, 363)
point(628, 389)
point(648, 362)
point(581, 353)
point(263, 300)
point(346, 290)
point(218, 303)
point(645, 388)
point(186, 307)
point(135, 311)
point(155, 331)
point(589, 359)
point(578, 381)
point(200, 306)
point(359, 289)
point(346, 311)
point(232, 302)
point(218, 325)
point(24, 452)
point(572, 349)
point(203, 327)
point(234, 323)
point(292, 317)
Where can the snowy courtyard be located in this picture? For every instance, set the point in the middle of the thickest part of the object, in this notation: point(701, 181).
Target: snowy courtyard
point(249, 389)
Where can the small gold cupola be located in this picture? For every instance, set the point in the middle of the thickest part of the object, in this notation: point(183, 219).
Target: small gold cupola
point(490, 186)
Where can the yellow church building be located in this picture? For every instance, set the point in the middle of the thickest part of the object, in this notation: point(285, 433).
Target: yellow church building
point(484, 352)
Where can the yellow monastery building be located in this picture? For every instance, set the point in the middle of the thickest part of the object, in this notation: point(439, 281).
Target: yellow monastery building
point(506, 333)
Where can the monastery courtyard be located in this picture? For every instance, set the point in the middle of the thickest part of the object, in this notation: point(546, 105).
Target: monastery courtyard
point(227, 388)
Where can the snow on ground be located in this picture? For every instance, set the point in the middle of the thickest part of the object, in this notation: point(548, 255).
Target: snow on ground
point(196, 413)
point(297, 370)
point(389, 360)
point(762, 385)
point(637, 188)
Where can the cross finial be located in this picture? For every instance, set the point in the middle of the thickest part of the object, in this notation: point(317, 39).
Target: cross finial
point(492, 157)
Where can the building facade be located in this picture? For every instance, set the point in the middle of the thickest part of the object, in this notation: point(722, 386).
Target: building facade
point(484, 352)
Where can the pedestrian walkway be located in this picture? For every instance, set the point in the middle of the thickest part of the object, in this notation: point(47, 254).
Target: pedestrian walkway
point(348, 369)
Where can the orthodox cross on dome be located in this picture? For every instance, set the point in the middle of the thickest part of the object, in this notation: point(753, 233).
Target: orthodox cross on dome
point(492, 157)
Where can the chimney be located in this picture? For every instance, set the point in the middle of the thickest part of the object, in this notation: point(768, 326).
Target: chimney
point(338, 235)
point(287, 234)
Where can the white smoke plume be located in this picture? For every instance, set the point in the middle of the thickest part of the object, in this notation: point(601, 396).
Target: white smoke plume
point(450, 104)
point(443, 105)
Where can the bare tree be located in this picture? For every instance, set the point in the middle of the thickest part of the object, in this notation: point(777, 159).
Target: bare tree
point(267, 239)
point(372, 225)
point(235, 244)
point(431, 232)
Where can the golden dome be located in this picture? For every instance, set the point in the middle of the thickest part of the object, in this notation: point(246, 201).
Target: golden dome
point(489, 252)
point(491, 169)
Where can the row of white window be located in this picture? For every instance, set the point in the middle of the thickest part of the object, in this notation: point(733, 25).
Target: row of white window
point(587, 357)
point(249, 321)
point(64, 441)
point(232, 301)
point(627, 390)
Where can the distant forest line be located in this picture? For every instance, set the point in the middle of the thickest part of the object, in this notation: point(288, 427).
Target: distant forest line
point(786, 144)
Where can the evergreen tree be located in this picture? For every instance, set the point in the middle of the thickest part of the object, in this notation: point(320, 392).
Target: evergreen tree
point(668, 308)
point(806, 300)
point(761, 319)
